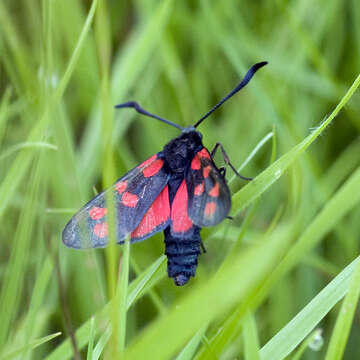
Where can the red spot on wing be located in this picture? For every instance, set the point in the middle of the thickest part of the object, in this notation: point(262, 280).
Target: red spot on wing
point(129, 199)
point(148, 161)
point(121, 186)
point(101, 229)
point(199, 189)
point(153, 168)
point(215, 190)
point(97, 213)
point(157, 214)
point(206, 171)
point(210, 208)
point(195, 163)
point(204, 153)
point(179, 217)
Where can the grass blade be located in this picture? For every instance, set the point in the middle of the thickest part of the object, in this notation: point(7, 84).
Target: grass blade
point(345, 318)
point(286, 340)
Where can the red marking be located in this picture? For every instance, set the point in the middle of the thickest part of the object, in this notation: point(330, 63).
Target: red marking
point(206, 171)
point(210, 208)
point(157, 214)
point(195, 164)
point(199, 189)
point(97, 213)
point(129, 199)
point(214, 191)
point(121, 186)
point(204, 153)
point(148, 161)
point(179, 216)
point(153, 168)
point(101, 229)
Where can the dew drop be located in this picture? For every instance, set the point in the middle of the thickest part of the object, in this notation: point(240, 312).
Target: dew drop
point(317, 340)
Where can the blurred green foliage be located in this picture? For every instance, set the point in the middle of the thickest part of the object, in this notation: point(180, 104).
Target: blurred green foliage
point(64, 64)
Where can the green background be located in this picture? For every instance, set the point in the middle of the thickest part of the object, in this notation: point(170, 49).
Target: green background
point(276, 282)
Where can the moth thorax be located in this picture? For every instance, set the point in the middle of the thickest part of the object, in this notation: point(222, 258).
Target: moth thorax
point(179, 151)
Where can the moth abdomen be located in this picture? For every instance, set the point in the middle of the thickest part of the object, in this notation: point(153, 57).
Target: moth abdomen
point(182, 254)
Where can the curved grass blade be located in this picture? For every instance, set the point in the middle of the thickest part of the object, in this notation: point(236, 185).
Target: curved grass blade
point(32, 345)
point(286, 340)
point(262, 182)
point(345, 318)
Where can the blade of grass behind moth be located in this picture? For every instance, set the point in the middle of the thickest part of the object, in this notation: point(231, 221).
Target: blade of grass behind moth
point(262, 182)
point(122, 293)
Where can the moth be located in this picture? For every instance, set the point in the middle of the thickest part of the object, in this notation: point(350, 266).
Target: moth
point(179, 190)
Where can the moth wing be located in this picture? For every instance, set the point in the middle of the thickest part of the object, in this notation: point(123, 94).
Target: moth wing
point(209, 199)
point(140, 199)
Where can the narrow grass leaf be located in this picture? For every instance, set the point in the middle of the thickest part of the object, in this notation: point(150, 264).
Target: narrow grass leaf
point(123, 292)
point(100, 346)
point(251, 340)
point(345, 318)
point(286, 340)
point(90, 349)
point(262, 182)
point(36, 144)
point(32, 345)
point(188, 352)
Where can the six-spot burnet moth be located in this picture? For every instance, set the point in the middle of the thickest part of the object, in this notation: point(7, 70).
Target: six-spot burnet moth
point(178, 190)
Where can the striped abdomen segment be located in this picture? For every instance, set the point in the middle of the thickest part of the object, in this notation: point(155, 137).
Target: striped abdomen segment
point(182, 253)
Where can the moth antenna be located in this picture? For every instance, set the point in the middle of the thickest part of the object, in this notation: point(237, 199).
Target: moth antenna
point(139, 109)
point(244, 82)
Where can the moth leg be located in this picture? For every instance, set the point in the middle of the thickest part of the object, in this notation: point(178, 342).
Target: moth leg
point(202, 246)
point(222, 171)
point(230, 217)
point(227, 160)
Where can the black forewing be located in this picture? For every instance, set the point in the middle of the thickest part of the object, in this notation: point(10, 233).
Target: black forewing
point(209, 199)
point(133, 195)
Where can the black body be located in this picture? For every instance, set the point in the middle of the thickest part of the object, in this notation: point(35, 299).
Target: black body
point(182, 250)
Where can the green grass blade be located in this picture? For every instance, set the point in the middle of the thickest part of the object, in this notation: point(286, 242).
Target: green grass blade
point(286, 340)
point(90, 349)
point(104, 339)
point(341, 331)
point(123, 293)
point(262, 182)
point(75, 55)
point(188, 352)
point(32, 345)
point(251, 340)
